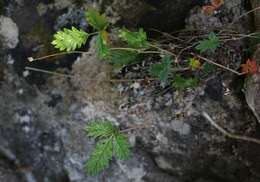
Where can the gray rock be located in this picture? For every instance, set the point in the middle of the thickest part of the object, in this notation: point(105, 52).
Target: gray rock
point(166, 15)
point(8, 33)
point(74, 17)
point(43, 138)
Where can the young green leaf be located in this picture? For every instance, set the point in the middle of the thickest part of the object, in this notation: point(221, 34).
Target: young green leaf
point(181, 83)
point(69, 40)
point(134, 39)
point(194, 63)
point(98, 129)
point(96, 20)
point(100, 157)
point(111, 142)
point(162, 70)
point(123, 57)
point(210, 44)
point(121, 146)
point(101, 44)
point(208, 68)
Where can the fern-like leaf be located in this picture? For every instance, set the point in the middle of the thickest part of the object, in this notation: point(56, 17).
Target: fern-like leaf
point(111, 142)
point(98, 129)
point(121, 147)
point(123, 57)
point(210, 44)
point(100, 157)
point(208, 68)
point(69, 40)
point(181, 83)
point(162, 70)
point(96, 20)
point(134, 39)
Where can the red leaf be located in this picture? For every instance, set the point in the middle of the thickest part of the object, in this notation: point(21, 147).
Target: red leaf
point(250, 67)
point(217, 3)
point(208, 10)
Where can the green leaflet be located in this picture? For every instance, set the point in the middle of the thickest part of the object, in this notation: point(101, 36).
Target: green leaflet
point(69, 40)
point(100, 129)
point(134, 39)
point(111, 142)
point(96, 20)
point(121, 146)
point(210, 44)
point(100, 157)
point(101, 45)
point(208, 68)
point(123, 57)
point(181, 83)
point(162, 70)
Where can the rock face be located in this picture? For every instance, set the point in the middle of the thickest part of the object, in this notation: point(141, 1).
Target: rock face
point(164, 15)
point(8, 33)
point(42, 132)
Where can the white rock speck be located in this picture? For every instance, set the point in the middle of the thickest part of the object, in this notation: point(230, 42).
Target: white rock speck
point(8, 33)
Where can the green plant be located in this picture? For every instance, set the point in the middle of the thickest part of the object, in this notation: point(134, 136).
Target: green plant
point(210, 44)
point(134, 39)
point(162, 70)
point(111, 142)
point(182, 83)
point(96, 20)
point(120, 58)
point(69, 40)
point(208, 68)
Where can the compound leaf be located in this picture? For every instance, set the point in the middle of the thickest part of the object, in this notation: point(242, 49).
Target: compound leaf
point(100, 156)
point(181, 83)
point(134, 39)
point(96, 20)
point(210, 44)
point(69, 40)
point(162, 70)
point(208, 68)
point(100, 129)
point(123, 57)
point(111, 142)
point(121, 146)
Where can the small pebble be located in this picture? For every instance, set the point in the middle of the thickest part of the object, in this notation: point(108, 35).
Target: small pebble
point(26, 73)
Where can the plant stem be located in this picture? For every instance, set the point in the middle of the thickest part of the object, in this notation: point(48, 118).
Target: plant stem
point(141, 51)
point(216, 64)
point(226, 133)
point(72, 76)
point(161, 49)
point(135, 127)
point(93, 33)
point(57, 54)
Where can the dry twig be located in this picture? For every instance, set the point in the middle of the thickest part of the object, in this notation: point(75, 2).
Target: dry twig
point(226, 133)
